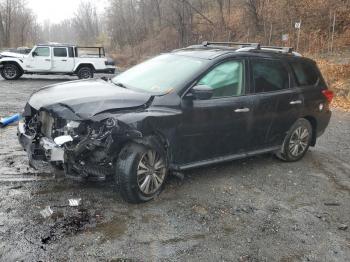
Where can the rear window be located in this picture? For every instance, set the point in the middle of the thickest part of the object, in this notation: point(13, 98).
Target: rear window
point(60, 52)
point(269, 75)
point(305, 73)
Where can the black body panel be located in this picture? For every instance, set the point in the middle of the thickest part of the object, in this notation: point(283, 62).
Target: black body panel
point(193, 132)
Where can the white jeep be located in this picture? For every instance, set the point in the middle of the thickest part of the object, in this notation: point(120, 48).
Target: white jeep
point(55, 58)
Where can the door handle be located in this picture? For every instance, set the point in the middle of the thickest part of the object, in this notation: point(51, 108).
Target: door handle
point(242, 110)
point(296, 102)
point(64, 60)
point(48, 60)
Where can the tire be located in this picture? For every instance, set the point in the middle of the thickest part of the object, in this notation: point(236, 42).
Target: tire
point(85, 72)
point(136, 182)
point(296, 142)
point(11, 72)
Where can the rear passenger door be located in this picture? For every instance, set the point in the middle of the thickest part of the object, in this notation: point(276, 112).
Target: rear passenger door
point(63, 60)
point(276, 105)
point(309, 83)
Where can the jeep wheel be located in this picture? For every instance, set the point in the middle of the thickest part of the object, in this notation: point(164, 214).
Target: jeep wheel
point(85, 72)
point(297, 141)
point(11, 72)
point(140, 173)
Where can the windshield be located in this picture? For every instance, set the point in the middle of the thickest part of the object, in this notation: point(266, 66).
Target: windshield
point(161, 74)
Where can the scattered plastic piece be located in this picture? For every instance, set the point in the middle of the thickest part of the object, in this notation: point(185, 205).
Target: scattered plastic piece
point(60, 140)
point(47, 212)
point(343, 227)
point(74, 202)
point(9, 120)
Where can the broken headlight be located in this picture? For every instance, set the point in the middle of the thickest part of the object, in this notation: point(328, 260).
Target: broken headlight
point(72, 125)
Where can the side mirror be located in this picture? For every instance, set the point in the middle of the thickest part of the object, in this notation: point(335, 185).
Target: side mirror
point(34, 54)
point(202, 92)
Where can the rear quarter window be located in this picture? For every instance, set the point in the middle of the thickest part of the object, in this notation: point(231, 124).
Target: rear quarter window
point(269, 75)
point(306, 73)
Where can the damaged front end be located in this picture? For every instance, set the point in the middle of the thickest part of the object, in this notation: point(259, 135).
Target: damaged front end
point(85, 148)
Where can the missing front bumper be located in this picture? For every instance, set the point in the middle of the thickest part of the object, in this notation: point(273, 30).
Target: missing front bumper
point(45, 149)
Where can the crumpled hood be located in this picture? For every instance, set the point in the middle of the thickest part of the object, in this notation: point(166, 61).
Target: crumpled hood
point(86, 98)
point(12, 54)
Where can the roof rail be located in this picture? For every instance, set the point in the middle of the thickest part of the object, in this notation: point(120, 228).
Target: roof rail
point(254, 45)
point(281, 49)
point(245, 47)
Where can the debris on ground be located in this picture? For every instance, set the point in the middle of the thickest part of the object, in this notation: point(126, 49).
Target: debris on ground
point(46, 212)
point(74, 202)
point(343, 227)
point(9, 120)
point(335, 204)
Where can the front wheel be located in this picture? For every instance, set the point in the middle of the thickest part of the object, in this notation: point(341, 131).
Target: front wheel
point(11, 72)
point(296, 142)
point(140, 173)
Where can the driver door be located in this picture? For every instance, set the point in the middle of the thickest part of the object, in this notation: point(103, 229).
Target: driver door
point(40, 59)
point(219, 126)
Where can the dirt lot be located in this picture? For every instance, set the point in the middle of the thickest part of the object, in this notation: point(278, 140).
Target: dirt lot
point(258, 209)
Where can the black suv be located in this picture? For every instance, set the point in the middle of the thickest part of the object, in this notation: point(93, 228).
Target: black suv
point(192, 107)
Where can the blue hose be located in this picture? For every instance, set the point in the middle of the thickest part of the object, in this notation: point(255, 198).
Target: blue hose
point(9, 120)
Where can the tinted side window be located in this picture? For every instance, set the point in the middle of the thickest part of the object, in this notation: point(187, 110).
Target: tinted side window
point(305, 73)
point(225, 79)
point(42, 51)
point(70, 52)
point(60, 52)
point(269, 75)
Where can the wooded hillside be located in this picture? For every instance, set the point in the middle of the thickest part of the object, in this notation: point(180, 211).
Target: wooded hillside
point(144, 27)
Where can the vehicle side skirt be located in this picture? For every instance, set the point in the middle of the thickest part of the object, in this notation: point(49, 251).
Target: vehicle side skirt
point(224, 159)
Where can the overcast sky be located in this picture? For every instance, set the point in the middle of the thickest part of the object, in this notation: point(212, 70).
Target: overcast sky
point(58, 10)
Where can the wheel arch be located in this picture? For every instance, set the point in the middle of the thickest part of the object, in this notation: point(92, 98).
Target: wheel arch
point(158, 141)
point(6, 62)
point(313, 123)
point(77, 68)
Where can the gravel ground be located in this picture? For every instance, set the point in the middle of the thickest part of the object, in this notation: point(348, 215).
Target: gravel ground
point(257, 209)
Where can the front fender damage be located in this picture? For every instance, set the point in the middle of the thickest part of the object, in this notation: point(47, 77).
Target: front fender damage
point(92, 154)
point(85, 148)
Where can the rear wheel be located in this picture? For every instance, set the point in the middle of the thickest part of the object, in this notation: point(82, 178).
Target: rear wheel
point(140, 173)
point(11, 72)
point(297, 141)
point(85, 72)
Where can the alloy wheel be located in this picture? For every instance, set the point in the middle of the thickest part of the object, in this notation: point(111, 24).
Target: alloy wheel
point(299, 141)
point(85, 74)
point(151, 172)
point(10, 71)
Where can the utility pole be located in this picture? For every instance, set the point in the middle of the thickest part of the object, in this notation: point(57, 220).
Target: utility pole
point(333, 33)
point(270, 34)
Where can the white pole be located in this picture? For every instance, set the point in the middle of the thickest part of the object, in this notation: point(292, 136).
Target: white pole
point(299, 35)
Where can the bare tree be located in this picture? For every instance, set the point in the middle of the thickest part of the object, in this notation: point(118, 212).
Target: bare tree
point(86, 22)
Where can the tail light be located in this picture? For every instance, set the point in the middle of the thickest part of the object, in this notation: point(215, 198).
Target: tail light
point(328, 95)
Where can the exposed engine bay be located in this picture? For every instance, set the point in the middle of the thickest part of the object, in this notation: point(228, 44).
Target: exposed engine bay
point(83, 148)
